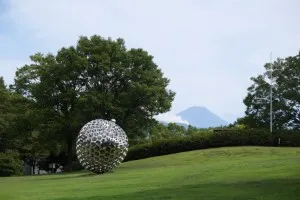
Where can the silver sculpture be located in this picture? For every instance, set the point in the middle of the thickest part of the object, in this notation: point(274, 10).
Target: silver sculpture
point(101, 146)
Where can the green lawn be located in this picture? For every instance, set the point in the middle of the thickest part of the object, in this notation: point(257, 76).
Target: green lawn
point(225, 173)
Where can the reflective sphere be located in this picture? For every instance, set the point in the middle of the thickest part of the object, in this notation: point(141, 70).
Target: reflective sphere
point(101, 146)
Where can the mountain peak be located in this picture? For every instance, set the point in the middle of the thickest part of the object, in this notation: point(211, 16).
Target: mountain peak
point(195, 108)
point(201, 117)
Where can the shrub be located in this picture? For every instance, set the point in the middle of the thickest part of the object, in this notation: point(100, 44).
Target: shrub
point(287, 138)
point(10, 164)
point(76, 166)
point(237, 137)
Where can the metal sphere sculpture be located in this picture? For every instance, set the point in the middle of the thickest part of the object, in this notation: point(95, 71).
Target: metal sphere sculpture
point(101, 146)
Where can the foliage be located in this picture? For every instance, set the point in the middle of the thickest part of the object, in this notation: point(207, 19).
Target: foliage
point(4, 122)
point(18, 119)
point(98, 78)
point(286, 96)
point(58, 161)
point(10, 164)
point(160, 131)
point(234, 137)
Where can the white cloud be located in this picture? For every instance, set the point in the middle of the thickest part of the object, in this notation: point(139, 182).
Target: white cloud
point(170, 117)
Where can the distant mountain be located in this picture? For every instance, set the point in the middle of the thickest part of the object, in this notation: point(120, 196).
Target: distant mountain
point(201, 117)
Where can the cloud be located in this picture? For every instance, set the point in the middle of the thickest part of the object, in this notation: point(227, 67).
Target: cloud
point(170, 118)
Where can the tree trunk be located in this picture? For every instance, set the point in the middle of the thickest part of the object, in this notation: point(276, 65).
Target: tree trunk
point(70, 152)
point(33, 169)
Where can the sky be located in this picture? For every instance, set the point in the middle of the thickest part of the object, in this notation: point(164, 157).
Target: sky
point(209, 49)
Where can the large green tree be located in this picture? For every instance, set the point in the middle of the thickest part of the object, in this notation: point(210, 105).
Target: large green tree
point(12, 107)
point(97, 78)
point(17, 126)
point(285, 95)
point(4, 124)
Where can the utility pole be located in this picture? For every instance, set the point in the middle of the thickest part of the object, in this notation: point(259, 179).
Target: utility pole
point(271, 97)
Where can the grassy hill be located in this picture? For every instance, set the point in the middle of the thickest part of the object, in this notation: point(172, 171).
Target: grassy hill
point(224, 173)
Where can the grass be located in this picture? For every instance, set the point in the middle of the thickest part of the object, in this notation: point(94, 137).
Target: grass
point(223, 173)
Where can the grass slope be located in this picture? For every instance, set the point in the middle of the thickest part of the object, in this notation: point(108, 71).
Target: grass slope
point(224, 173)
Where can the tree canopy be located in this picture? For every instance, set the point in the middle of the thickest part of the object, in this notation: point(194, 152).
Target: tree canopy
point(285, 96)
point(97, 78)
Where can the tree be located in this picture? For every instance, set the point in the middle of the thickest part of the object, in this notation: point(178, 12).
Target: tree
point(14, 125)
point(4, 97)
point(10, 110)
point(286, 96)
point(98, 78)
point(191, 130)
point(17, 126)
point(10, 164)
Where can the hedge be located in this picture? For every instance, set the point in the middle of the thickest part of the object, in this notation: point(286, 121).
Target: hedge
point(10, 164)
point(243, 137)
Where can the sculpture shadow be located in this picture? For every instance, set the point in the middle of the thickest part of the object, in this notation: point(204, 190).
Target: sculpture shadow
point(47, 177)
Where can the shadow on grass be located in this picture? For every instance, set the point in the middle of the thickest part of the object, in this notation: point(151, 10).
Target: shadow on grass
point(285, 189)
point(48, 177)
